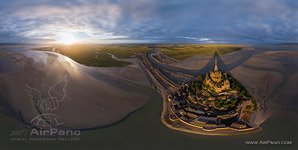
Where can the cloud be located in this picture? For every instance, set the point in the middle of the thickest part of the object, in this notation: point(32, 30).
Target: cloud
point(150, 20)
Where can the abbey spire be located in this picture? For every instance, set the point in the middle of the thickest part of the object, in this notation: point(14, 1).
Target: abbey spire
point(215, 65)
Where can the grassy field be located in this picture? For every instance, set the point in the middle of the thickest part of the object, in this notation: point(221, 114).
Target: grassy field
point(94, 55)
point(86, 54)
point(181, 52)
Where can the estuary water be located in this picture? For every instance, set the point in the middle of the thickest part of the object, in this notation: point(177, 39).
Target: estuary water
point(143, 130)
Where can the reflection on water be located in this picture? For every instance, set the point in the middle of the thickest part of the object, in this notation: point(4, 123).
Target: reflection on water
point(38, 57)
point(48, 58)
point(144, 130)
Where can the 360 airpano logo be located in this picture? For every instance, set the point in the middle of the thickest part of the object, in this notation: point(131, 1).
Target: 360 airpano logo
point(55, 132)
point(45, 106)
point(44, 135)
point(47, 126)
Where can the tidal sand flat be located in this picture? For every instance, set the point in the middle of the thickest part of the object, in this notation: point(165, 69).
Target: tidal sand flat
point(268, 72)
point(151, 131)
point(78, 97)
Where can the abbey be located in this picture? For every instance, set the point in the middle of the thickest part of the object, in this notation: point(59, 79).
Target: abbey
point(214, 100)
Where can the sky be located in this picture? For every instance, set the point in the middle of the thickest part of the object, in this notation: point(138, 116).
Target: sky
point(149, 21)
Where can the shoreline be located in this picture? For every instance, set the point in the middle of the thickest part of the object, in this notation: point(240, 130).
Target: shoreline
point(169, 118)
point(182, 126)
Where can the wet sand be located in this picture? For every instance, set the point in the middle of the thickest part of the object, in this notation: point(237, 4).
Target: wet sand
point(144, 130)
point(92, 98)
point(268, 72)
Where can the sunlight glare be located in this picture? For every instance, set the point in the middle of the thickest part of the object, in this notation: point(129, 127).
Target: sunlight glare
point(67, 38)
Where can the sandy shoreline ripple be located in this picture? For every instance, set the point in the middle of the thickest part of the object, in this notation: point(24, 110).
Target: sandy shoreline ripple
point(35, 84)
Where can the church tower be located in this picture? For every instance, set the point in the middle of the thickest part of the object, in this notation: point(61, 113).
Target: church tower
point(215, 65)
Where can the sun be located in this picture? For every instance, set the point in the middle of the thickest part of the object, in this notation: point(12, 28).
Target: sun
point(67, 38)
